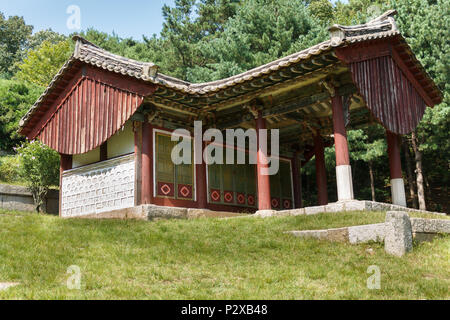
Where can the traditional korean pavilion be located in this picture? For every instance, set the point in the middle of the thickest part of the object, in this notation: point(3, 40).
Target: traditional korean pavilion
point(111, 118)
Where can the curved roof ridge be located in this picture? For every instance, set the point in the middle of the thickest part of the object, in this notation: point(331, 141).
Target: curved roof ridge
point(292, 58)
point(381, 27)
point(90, 53)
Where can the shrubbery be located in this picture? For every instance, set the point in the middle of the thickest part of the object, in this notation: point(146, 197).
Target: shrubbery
point(9, 169)
point(39, 167)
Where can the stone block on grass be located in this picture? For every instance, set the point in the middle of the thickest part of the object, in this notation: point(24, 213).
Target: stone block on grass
point(315, 210)
point(398, 239)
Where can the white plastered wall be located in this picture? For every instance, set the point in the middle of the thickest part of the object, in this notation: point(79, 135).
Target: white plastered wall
point(122, 142)
point(84, 159)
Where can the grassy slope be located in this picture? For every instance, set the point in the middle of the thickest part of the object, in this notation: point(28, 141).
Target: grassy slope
point(242, 258)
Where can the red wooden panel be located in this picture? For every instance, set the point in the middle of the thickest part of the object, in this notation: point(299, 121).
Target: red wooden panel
point(388, 93)
point(88, 116)
point(393, 95)
point(251, 200)
point(275, 202)
point(228, 196)
point(287, 204)
point(240, 198)
point(215, 195)
point(166, 189)
point(89, 110)
point(185, 191)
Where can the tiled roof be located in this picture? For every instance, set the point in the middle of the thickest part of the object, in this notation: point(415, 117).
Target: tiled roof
point(381, 27)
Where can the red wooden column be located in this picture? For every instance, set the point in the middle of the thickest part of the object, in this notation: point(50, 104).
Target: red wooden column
point(64, 165)
point(202, 193)
point(395, 165)
point(297, 181)
point(264, 202)
point(137, 128)
point(147, 167)
point(104, 151)
point(343, 168)
point(321, 174)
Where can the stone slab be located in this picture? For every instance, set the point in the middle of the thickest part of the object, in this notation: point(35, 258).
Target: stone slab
point(398, 239)
point(315, 210)
point(297, 212)
point(152, 212)
point(335, 207)
point(424, 237)
point(158, 212)
point(336, 234)
point(397, 232)
point(430, 225)
point(205, 213)
point(350, 205)
point(366, 233)
point(133, 213)
point(7, 285)
point(270, 213)
point(310, 234)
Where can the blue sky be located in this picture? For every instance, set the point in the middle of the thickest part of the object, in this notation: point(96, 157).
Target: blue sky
point(129, 18)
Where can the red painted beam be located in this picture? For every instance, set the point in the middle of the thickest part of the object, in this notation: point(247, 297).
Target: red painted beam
point(264, 202)
point(340, 133)
point(202, 193)
point(395, 164)
point(65, 164)
point(147, 167)
point(297, 181)
point(321, 174)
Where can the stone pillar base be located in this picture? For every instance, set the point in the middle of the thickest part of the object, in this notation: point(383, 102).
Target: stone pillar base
point(398, 192)
point(344, 182)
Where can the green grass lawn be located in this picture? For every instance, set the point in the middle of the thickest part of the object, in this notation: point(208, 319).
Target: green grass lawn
point(241, 258)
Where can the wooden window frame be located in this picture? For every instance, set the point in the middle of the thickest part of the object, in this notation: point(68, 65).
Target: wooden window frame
point(168, 133)
point(222, 189)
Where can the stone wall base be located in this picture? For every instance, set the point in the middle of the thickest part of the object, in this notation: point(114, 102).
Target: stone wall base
point(149, 212)
point(152, 212)
point(20, 199)
point(349, 205)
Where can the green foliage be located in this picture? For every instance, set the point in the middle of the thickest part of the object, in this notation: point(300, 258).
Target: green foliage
point(365, 149)
point(188, 26)
point(150, 49)
point(39, 167)
point(45, 35)
point(322, 10)
point(9, 169)
point(14, 34)
point(15, 99)
point(259, 32)
point(41, 64)
point(358, 11)
point(426, 28)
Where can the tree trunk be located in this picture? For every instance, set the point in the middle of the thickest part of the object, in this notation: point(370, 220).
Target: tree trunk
point(372, 182)
point(419, 173)
point(409, 173)
point(427, 187)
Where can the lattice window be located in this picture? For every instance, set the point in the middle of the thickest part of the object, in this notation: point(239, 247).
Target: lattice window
point(281, 187)
point(232, 184)
point(172, 181)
